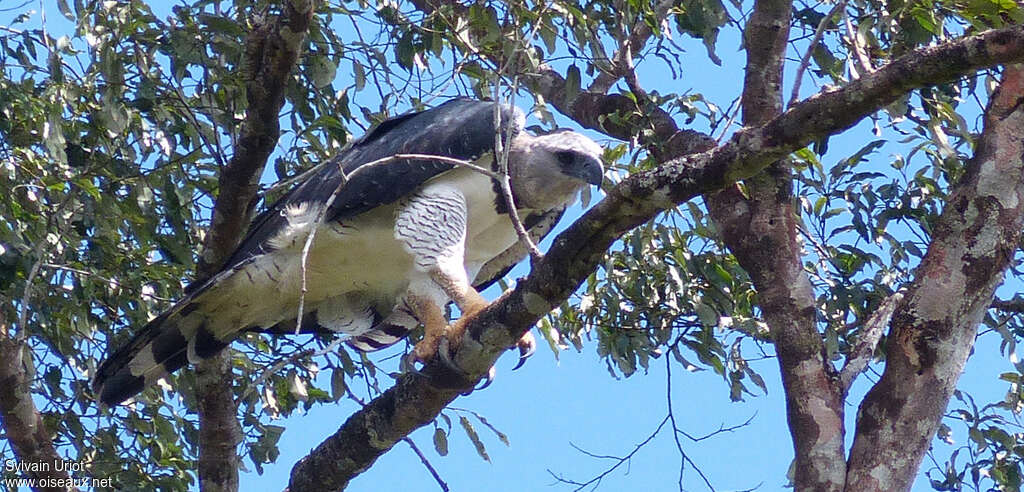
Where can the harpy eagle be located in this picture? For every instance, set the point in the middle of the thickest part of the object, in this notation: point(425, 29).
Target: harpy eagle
point(398, 243)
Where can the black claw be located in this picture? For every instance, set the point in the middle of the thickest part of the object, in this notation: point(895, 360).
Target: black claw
point(525, 353)
point(408, 364)
point(446, 358)
point(488, 379)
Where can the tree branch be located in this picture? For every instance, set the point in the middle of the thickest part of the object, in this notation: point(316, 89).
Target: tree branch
point(1013, 306)
point(806, 60)
point(870, 333)
point(23, 426)
point(416, 399)
point(271, 51)
point(20, 419)
point(933, 328)
point(426, 463)
point(622, 60)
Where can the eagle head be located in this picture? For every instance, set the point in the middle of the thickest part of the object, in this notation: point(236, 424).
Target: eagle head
point(547, 170)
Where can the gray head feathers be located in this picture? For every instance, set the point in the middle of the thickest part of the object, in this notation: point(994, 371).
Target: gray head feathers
point(547, 170)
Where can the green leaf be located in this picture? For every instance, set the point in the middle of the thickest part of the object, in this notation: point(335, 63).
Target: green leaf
point(756, 378)
point(62, 6)
point(338, 386)
point(321, 71)
point(221, 25)
point(702, 19)
point(473, 436)
point(572, 83)
point(359, 73)
point(441, 441)
point(707, 314)
point(501, 435)
point(404, 51)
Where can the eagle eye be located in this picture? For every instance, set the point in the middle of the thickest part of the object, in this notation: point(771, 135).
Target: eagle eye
point(565, 157)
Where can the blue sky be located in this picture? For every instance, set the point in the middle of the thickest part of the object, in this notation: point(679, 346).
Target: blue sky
point(549, 406)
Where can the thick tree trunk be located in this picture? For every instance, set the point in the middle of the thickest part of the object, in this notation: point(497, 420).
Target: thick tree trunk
point(933, 328)
point(23, 425)
point(271, 51)
point(761, 231)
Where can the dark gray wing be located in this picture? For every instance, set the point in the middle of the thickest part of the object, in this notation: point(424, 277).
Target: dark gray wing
point(538, 226)
point(460, 128)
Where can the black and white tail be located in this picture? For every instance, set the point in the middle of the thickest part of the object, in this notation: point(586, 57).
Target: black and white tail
point(164, 345)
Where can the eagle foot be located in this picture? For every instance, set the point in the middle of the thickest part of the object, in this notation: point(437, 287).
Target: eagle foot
point(444, 372)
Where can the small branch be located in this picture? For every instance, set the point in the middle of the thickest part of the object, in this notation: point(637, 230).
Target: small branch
point(284, 362)
point(1015, 305)
point(217, 153)
point(524, 237)
point(502, 152)
point(676, 431)
point(733, 112)
point(320, 214)
point(637, 40)
point(108, 280)
point(21, 333)
point(722, 429)
point(423, 459)
point(620, 460)
point(858, 50)
point(806, 60)
point(42, 21)
point(288, 182)
point(871, 332)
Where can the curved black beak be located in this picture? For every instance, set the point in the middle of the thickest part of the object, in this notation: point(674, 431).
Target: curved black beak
point(588, 169)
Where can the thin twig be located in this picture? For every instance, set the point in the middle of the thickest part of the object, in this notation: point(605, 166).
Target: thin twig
point(731, 112)
point(502, 153)
point(22, 330)
point(288, 360)
point(426, 463)
point(506, 189)
point(858, 51)
point(42, 21)
point(108, 280)
point(320, 215)
point(623, 459)
point(642, 32)
point(439, 158)
point(669, 417)
point(825, 258)
point(216, 153)
point(26, 297)
point(676, 431)
point(288, 182)
point(806, 60)
point(722, 429)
